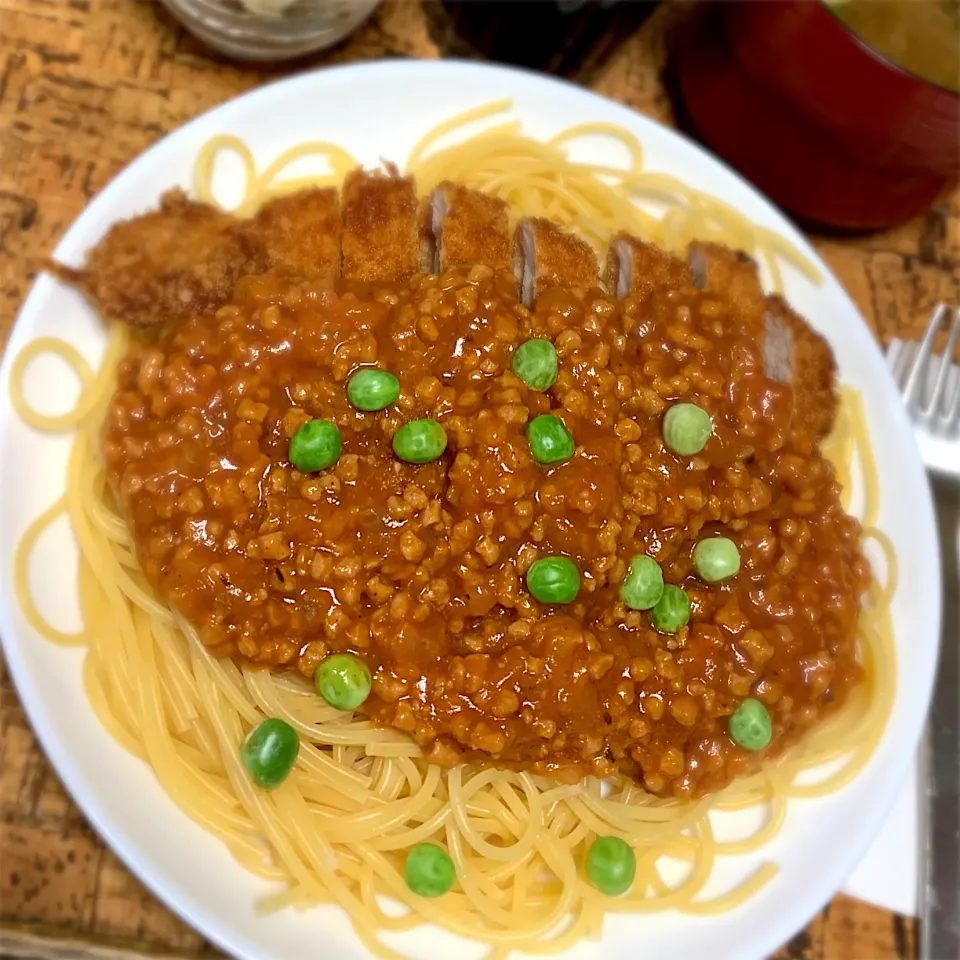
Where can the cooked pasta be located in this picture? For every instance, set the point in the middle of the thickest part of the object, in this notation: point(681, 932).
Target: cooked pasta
point(360, 796)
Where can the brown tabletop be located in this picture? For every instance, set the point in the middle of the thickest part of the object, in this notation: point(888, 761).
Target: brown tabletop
point(85, 86)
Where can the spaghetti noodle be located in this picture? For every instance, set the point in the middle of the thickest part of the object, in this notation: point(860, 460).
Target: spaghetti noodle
point(360, 796)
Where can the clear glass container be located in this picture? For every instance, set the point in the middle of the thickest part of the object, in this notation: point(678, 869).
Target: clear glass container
point(270, 29)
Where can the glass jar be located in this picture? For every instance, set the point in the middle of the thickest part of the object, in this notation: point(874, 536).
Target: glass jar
point(270, 29)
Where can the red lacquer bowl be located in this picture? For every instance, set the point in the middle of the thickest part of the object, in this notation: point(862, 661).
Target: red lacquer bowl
point(824, 125)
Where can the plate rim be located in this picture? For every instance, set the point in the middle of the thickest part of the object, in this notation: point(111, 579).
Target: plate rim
point(184, 905)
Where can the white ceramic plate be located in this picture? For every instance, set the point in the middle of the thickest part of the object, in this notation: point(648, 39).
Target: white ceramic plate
point(380, 110)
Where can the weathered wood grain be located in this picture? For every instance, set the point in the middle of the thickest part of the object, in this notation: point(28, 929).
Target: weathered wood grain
point(86, 85)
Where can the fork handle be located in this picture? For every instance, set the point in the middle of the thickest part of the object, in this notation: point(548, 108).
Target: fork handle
point(940, 759)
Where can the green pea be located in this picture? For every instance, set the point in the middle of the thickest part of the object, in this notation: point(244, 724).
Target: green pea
point(269, 752)
point(550, 440)
point(343, 680)
point(611, 865)
point(535, 363)
point(672, 610)
point(643, 585)
point(751, 726)
point(686, 429)
point(554, 580)
point(315, 446)
point(428, 870)
point(420, 441)
point(372, 389)
point(716, 559)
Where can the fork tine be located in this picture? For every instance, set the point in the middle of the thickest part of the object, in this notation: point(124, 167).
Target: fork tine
point(894, 354)
point(938, 397)
point(904, 362)
point(951, 416)
point(913, 386)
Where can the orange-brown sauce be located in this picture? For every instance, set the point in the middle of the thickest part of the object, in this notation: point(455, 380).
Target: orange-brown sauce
point(420, 569)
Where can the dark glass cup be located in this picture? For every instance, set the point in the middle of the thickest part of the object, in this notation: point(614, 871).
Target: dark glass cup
point(828, 128)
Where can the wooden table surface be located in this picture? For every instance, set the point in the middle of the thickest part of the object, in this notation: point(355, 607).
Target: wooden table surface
point(85, 86)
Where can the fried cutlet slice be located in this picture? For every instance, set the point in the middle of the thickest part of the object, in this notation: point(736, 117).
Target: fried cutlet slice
point(428, 242)
point(380, 231)
point(729, 275)
point(179, 260)
point(301, 232)
point(637, 269)
point(793, 352)
point(733, 278)
point(464, 226)
point(546, 256)
point(796, 354)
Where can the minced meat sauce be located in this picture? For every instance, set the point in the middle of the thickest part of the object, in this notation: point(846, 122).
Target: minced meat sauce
point(420, 570)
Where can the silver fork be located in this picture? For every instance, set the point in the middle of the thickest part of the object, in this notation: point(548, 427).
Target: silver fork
point(931, 391)
point(925, 380)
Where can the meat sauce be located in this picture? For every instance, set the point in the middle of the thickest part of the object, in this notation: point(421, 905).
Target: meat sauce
point(420, 570)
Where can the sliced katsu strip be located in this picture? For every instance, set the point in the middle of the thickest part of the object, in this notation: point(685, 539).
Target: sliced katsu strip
point(168, 264)
point(637, 269)
point(380, 232)
point(464, 226)
point(546, 256)
point(730, 274)
point(796, 354)
point(301, 232)
point(425, 234)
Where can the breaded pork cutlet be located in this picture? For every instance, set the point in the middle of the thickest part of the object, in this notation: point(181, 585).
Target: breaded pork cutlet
point(793, 353)
point(167, 264)
point(300, 232)
point(638, 269)
point(186, 257)
point(380, 239)
point(729, 274)
point(808, 366)
point(460, 226)
point(546, 256)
